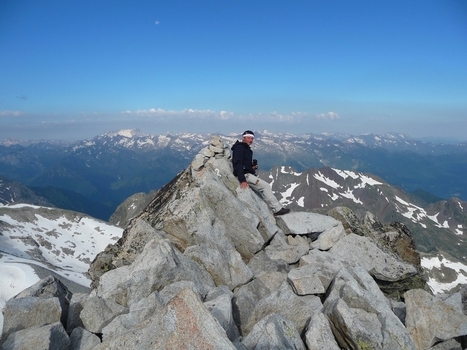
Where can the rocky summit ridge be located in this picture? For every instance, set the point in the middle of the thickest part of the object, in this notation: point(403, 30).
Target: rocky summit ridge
point(207, 266)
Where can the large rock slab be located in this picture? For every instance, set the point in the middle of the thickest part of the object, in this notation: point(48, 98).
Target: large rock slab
point(219, 303)
point(361, 316)
point(329, 237)
point(50, 287)
point(430, 319)
point(280, 249)
point(180, 315)
point(159, 265)
point(273, 332)
point(262, 263)
point(138, 313)
point(379, 264)
point(98, 313)
point(304, 281)
point(322, 265)
point(246, 298)
point(286, 303)
point(74, 311)
point(223, 263)
point(305, 223)
point(29, 312)
point(184, 323)
point(52, 336)
point(81, 339)
point(128, 247)
point(319, 335)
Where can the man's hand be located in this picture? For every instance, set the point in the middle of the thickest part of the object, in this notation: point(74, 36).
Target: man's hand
point(244, 185)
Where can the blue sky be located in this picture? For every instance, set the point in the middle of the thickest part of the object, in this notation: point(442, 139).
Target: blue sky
point(75, 69)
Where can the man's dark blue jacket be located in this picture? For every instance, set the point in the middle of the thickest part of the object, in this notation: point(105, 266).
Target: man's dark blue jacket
point(242, 159)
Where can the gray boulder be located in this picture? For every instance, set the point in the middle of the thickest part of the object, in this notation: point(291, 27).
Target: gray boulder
point(222, 262)
point(50, 287)
point(262, 263)
point(81, 339)
point(319, 335)
point(74, 311)
point(245, 299)
point(430, 319)
point(24, 313)
point(138, 313)
point(158, 265)
point(98, 312)
point(219, 304)
point(280, 249)
point(185, 323)
point(125, 251)
point(171, 290)
point(304, 281)
point(304, 223)
point(381, 265)
point(50, 336)
point(286, 303)
point(321, 265)
point(272, 280)
point(274, 332)
point(361, 316)
point(329, 237)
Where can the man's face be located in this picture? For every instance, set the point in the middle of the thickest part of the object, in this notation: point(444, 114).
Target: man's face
point(248, 140)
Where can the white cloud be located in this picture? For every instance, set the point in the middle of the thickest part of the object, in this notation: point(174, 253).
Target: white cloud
point(328, 116)
point(10, 113)
point(213, 115)
point(271, 117)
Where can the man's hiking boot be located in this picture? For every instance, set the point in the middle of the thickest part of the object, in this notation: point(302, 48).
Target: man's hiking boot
point(282, 212)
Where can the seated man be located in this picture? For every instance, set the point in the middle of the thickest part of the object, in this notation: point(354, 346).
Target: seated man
point(242, 159)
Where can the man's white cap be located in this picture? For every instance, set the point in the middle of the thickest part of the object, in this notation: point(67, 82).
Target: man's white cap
point(248, 133)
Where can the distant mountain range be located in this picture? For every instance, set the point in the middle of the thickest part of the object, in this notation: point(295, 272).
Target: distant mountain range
point(95, 176)
point(127, 163)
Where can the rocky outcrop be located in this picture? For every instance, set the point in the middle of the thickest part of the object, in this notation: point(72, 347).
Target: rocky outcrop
point(206, 265)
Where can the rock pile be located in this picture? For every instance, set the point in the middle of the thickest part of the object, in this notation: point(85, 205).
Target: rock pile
point(207, 266)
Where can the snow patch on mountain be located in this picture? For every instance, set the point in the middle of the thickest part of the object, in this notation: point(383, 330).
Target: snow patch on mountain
point(418, 214)
point(345, 173)
point(327, 181)
point(287, 197)
point(443, 263)
point(350, 195)
point(364, 179)
point(289, 170)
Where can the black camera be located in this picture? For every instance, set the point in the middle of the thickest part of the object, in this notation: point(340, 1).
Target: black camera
point(254, 162)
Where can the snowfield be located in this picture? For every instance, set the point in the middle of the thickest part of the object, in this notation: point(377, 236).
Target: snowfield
point(61, 241)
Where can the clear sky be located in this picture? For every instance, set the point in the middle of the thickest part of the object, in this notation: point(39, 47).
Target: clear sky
point(77, 68)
